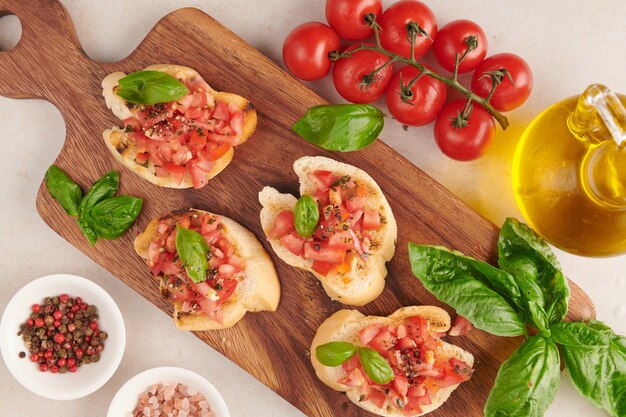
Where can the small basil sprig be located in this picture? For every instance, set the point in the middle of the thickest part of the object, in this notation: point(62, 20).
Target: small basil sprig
point(64, 190)
point(375, 366)
point(306, 215)
point(596, 359)
point(99, 213)
point(150, 87)
point(192, 250)
point(340, 127)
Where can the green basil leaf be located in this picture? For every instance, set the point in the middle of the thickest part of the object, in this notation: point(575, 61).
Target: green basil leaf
point(375, 366)
point(87, 229)
point(529, 259)
point(334, 353)
point(192, 250)
point(64, 189)
point(596, 360)
point(340, 127)
point(471, 287)
point(527, 382)
point(306, 215)
point(104, 188)
point(151, 87)
point(112, 217)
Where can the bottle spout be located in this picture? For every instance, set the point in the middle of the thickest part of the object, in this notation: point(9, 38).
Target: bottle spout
point(598, 103)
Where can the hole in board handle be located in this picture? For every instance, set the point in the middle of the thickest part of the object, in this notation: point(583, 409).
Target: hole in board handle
point(10, 31)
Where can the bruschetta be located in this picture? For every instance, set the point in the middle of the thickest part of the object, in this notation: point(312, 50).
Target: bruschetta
point(240, 275)
point(183, 143)
point(355, 236)
point(425, 369)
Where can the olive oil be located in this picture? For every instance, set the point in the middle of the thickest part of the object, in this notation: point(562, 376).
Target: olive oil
point(570, 182)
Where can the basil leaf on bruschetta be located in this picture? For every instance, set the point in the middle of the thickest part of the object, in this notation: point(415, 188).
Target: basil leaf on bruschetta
point(192, 249)
point(529, 259)
point(306, 216)
point(64, 190)
point(596, 359)
point(451, 277)
point(340, 127)
point(334, 353)
point(374, 365)
point(112, 217)
point(527, 382)
point(150, 87)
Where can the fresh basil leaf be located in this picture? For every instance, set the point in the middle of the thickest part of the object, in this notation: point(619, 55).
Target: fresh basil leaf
point(596, 360)
point(334, 353)
point(112, 217)
point(306, 215)
point(151, 87)
point(375, 366)
point(104, 188)
point(64, 189)
point(87, 229)
point(527, 382)
point(192, 250)
point(529, 259)
point(469, 286)
point(340, 127)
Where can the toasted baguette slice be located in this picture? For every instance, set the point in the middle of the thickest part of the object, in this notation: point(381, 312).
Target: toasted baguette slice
point(345, 325)
point(258, 290)
point(366, 280)
point(122, 144)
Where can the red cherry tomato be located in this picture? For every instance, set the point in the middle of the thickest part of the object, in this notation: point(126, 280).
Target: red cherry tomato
point(453, 39)
point(347, 17)
point(508, 95)
point(306, 49)
point(349, 74)
point(394, 34)
point(464, 143)
point(427, 97)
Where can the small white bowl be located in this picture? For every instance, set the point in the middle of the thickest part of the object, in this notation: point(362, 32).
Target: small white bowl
point(89, 377)
point(126, 398)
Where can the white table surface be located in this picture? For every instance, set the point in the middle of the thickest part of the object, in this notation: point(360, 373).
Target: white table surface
point(569, 44)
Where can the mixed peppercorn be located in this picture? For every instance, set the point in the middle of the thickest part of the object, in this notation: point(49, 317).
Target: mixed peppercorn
point(62, 334)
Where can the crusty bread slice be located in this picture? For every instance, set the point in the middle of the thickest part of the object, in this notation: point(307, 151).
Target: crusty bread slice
point(366, 280)
point(122, 144)
point(345, 325)
point(258, 290)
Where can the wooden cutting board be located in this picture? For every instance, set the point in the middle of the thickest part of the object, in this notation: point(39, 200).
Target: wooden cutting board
point(48, 62)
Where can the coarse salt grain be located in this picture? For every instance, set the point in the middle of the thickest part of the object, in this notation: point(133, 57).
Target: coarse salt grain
point(172, 400)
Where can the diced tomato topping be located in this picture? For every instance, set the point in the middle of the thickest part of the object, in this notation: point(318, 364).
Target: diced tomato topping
point(322, 179)
point(322, 268)
point(221, 112)
point(323, 252)
point(401, 384)
point(199, 176)
point(371, 220)
point(411, 408)
point(368, 333)
point(355, 378)
point(197, 141)
point(383, 342)
point(141, 158)
point(236, 123)
point(342, 239)
point(334, 196)
point(283, 225)
point(294, 243)
point(177, 172)
point(460, 327)
point(214, 151)
point(226, 139)
point(376, 397)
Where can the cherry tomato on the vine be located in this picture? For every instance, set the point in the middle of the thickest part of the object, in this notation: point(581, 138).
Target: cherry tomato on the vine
point(347, 17)
point(352, 76)
point(455, 38)
point(507, 95)
point(306, 49)
point(464, 141)
point(394, 28)
point(424, 100)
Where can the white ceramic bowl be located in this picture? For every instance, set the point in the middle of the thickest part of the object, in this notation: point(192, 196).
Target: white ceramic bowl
point(126, 398)
point(89, 377)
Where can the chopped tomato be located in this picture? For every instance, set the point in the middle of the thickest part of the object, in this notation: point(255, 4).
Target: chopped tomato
point(401, 384)
point(411, 408)
point(221, 111)
point(177, 172)
point(283, 224)
point(294, 243)
point(368, 333)
point(342, 239)
point(141, 158)
point(214, 151)
point(371, 220)
point(460, 326)
point(416, 390)
point(322, 268)
point(376, 397)
point(355, 378)
point(226, 139)
point(197, 141)
point(334, 196)
point(324, 253)
point(383, 341)
point(199, 177)
point(322, 179)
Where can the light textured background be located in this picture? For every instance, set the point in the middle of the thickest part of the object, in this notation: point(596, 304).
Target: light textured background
point(569, 44)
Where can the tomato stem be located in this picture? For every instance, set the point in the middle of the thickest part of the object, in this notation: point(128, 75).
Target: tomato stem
point(413, 30)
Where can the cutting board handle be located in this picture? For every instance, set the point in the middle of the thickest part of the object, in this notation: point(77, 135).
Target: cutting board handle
point(48, 47)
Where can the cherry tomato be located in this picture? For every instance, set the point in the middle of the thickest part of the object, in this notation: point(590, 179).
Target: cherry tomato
point(427, 97)
point(453, 39)
point(306, 49)
point(508, 95)
point(349, 76)
point(394, 34)
point(347, 17)
point(464, 143)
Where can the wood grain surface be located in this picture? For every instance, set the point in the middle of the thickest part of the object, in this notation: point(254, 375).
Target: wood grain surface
point(48, 62)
